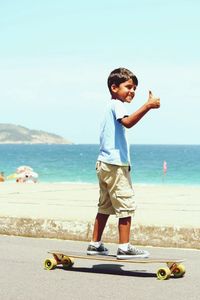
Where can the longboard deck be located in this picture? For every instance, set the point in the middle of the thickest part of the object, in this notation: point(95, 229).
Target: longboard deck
point(113, 258)
point(66, 258)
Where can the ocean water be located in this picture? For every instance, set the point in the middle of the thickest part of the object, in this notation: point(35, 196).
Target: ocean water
point(76, 163)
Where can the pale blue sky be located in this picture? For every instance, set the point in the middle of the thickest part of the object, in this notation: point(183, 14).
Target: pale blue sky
point(55, 57)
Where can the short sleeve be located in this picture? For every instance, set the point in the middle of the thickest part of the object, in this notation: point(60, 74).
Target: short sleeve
point(119, 110)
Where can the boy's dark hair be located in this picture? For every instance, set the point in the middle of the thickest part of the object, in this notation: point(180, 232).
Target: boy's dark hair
point(120, 75)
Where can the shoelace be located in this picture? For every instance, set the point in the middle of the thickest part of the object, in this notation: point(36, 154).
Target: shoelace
point(135, 250)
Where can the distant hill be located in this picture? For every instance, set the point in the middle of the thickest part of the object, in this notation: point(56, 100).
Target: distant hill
point(16, 134)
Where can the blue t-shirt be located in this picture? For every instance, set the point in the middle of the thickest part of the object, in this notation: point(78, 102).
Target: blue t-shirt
point(114, 148)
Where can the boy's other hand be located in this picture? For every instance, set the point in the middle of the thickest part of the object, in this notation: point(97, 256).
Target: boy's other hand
point(153, 102)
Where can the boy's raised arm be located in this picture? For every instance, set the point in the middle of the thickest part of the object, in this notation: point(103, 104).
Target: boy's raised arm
point(132, 119)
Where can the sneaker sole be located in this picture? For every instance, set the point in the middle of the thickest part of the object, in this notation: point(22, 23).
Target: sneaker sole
point(97, 253)
point(132, 256)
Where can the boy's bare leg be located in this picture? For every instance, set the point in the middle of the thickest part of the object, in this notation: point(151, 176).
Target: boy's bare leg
point(99, 225)
point(124, 230)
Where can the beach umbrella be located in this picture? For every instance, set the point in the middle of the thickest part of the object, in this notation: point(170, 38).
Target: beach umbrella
point(22, 169)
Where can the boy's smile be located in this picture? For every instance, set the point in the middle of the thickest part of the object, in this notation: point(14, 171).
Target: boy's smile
point(125, 91)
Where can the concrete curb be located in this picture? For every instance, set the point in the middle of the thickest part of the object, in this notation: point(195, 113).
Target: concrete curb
point(82, 231)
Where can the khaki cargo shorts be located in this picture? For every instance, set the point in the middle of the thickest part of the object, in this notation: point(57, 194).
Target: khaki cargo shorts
point(116, 192)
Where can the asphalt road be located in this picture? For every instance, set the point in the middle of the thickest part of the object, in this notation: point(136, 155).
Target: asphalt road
point(22, 275)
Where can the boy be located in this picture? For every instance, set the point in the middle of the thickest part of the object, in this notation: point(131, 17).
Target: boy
point(113, 164)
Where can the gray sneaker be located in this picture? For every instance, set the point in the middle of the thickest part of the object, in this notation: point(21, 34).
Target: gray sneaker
point(101, 250)
point(131, 253)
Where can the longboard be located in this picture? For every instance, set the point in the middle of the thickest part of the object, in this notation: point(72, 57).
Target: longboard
point(66, 259)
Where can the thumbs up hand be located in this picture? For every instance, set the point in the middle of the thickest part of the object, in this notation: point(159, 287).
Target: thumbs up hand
point(153, 102)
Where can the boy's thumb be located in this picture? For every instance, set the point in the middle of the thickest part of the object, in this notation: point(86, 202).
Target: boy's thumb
point(150, 94)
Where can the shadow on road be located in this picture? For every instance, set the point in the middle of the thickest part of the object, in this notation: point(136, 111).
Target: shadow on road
point(109, 269)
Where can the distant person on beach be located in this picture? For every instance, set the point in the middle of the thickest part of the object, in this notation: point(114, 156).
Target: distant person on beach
point(113, 164)
point(164, 167)
point(164, 170)
point(2, 177)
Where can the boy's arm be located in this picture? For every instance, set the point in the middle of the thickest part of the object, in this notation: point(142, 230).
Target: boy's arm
point(132, 119)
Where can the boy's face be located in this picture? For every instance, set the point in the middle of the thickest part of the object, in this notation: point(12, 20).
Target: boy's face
point(125, 91)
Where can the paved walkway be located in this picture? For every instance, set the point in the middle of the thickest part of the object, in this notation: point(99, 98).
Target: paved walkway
point(166, 216)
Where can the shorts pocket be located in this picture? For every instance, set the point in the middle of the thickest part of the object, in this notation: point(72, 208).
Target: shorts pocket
point(125, 200)
point(125, 194)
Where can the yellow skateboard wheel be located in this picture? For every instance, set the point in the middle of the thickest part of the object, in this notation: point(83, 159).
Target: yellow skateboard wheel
point(67, 262)
point(179, 271)
point(163, 273)
point(50, 263)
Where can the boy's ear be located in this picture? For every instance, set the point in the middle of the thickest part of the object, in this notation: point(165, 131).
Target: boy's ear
point(114, 88)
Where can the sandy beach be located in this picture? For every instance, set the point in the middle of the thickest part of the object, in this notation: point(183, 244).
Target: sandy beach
point(158, 206)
